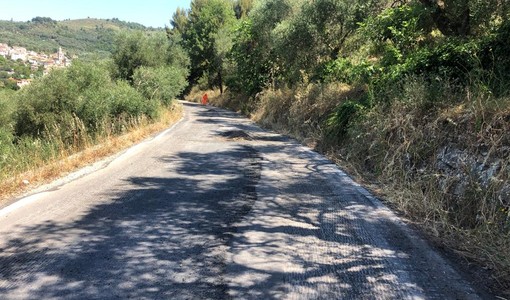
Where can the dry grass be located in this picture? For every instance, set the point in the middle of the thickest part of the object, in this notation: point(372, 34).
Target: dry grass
point(299, 112)
point(394, 148)
point(196, 95)
point(398, 146)
point(71, 160)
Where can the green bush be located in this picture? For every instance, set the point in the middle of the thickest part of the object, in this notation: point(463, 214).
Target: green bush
point(453, 59)
point(339, 122)
point(79, 98)
point(44, 103)
point(96, 109)
point(7, 109)
point(343, 70)
point(161, 84)
point(127, 102)
point(495, 58)
point(6, 147)
point(402, 26)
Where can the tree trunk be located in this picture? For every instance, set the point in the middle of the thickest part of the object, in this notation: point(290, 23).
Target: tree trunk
point(220, 81)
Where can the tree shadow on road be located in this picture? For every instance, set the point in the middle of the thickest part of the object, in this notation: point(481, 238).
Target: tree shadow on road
point(160, 238)
point(201, 233)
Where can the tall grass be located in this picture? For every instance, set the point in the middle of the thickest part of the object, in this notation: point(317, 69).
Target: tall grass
point(463, 198)
point(397, 144)
point(39, 160)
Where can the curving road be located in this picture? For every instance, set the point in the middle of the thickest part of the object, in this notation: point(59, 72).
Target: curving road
point(216, 208)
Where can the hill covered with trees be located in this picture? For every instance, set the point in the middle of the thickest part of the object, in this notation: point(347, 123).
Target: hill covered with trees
point(411, 94)
point(77, 37)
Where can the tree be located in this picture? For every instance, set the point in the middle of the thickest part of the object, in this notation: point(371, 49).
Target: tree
point(207, 37)
point(131, 52)
point(253, 52)
point(156, 65)
point(138, 49)
point(44, 20)
point(466, 17)
point(161, 84)
point(283, 41)
point(179, 21)
point(452, 17)
point(242, 8)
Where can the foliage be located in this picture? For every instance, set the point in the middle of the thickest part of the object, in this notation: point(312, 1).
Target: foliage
point(11, 70)
point(84, 97)
point(127, 102)
point(314, 37)
point(463, 18)
point(7, 109)
point(340, 121)
point(178, 22)
point(156, 66)
point(495, 58)
point(252, 71)
point(77, 37)
point(206, 36)
point(54, 100)
point(344, 70)
point(242, 8)
point(288, 42)
point(72, 108)
point(44, 20)
point(161, 84)
point(253, 51)
point(134, 50)
point(421, 75)
point(403, 27)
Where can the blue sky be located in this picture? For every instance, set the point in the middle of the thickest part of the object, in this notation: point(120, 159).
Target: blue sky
point(155, 13)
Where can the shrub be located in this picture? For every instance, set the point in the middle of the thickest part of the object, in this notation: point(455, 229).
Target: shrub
point(80, 98)
point(7, 109)
point(343, 70)
point(495, 58)
point(45, 102)
point(96, 108)
point(453, 59)
point(161, 84)
point(126, 102)
point(6, 147)
point(60, 98)
point(339, 122)
point(403, 27)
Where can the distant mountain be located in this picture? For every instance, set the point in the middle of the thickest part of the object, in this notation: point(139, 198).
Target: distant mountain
point(76, 37)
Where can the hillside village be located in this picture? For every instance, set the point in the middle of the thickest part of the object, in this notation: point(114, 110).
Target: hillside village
point(35, 60)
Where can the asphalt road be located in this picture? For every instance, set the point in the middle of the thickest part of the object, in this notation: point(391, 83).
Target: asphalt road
point(216, 208)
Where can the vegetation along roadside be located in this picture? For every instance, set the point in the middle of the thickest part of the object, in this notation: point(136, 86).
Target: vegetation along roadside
point(412, 96)
point(75, 115)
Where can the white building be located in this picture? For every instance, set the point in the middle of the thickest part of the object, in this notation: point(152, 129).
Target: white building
point(19, 53)
point(4, 50)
